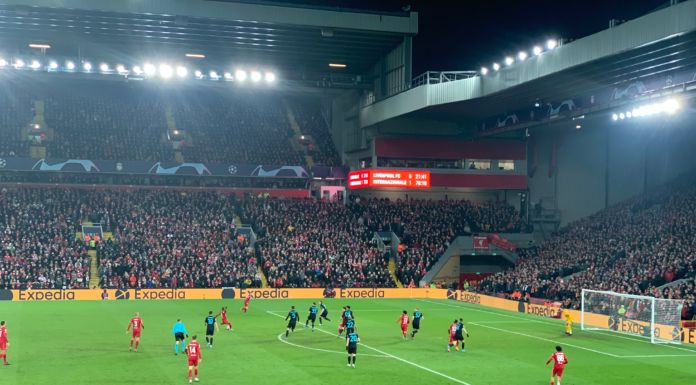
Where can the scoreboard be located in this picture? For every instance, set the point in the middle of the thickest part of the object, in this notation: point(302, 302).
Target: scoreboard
point(389, 179)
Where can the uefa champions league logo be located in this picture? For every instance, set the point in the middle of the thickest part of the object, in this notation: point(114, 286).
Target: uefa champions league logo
point(232, 169)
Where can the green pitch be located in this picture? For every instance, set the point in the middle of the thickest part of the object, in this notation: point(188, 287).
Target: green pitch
point(84, 342)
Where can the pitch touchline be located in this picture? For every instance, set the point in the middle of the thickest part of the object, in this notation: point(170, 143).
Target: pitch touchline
point(391, 310)
point(392, 356)
point(638, 340)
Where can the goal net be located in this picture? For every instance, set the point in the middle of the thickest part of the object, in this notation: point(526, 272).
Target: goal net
point(654, 318)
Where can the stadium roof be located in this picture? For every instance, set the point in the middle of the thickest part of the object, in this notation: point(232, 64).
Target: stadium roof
point(289, 38)
point(661, 41)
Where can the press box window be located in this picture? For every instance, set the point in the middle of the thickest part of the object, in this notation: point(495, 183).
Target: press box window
point(482, 164)
point(506, 165)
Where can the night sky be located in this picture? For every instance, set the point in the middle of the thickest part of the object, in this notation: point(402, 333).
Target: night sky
point(465, 35)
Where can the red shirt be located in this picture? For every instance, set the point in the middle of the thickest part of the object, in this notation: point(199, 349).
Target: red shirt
point(223, 314)
point(194, 350)
point(137, 324)
point(3, 335)
point(559, 360)
point(453, 328)
point(404, 319)
point(246, 300)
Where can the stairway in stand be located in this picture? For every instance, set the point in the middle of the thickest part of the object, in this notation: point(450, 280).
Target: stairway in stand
point(94, 269)
point(298, 133)
point(392, 271)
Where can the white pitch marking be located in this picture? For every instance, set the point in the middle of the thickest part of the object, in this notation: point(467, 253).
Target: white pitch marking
point(490, 312)
point(321, 350)
point(394, 357)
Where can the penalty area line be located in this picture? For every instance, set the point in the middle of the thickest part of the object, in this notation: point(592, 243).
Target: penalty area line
point(394, 357)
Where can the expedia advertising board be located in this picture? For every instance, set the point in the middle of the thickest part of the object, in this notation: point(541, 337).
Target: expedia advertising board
point(603, 321)
point(160, 294)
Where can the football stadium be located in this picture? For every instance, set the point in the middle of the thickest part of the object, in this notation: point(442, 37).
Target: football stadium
point(265, 193)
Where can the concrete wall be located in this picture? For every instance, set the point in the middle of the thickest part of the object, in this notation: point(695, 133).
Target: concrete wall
point(604, 163)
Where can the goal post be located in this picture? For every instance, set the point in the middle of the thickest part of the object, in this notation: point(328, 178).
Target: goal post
point(655, 318)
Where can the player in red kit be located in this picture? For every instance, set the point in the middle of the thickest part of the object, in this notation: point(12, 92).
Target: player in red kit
point(452, 332)
point(193, 351)
point(4, 343)
point(404, 321)
point(559, 360)
point(223, 313)
point(246, 303)
point(137, 324)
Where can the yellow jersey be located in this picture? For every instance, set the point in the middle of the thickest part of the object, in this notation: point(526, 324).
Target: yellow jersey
point(568, 316)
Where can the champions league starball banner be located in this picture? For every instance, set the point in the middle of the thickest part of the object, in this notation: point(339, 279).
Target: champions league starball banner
point(171, 168)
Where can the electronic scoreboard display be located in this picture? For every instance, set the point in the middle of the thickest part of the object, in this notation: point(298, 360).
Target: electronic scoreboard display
point(389, 179)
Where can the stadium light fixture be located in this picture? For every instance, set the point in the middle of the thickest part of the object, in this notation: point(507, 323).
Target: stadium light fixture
point(270, 77)
point(537, 50)
point(42, 46)
point(484, 71)
point(509, 60)
point(622, 116)
point(165, 71)
point(199, 74)
point(87, 66)
point(615, 117)
point(53, 65)
point(551, 44)
point(336, 65)
point(181, 71)
point(213, 75)
point(628, 114)
point(19, 63)
point(137, 70)
point(121, 69)
point(522, 56)
point(496, 66)
point(3, 62)
point(240, 75)
point(35, 65)
point(228, 76)
point(196, 55)
point(670, 106)
point(104, 67)
point(70, 65)
point(149, 69)
point(256, 76)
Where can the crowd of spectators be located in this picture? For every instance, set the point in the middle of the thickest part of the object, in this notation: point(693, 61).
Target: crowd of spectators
point(426, 228)
point(307, 243)
point(633, 247)
point(309, 117)
point(166, 239)
point(37, 236)
point(116, 123)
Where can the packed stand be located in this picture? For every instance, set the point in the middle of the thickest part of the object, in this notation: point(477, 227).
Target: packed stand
point(16, 112)
point(309, 117)
point(632, 247)
point(307, 243)
point(174, 239)
point(114, 124)
point(37, 233)
point(426, 228)
point(246, 129)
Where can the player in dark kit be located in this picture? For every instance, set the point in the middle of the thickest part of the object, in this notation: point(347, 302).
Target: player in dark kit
point(312, 315)
point(458, 336)
point(324, 312)
point(210, 326)
point(415, 323)
point(352, 340)
point(350, 326)
point(294, 317)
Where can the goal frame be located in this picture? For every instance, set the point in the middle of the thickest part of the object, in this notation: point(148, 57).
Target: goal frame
point(650, 300)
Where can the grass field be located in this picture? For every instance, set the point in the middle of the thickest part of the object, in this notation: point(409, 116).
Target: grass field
point(84, 342)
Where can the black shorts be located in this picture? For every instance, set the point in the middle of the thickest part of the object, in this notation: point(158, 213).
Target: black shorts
point(312, 317)
point(352, 349)
point(292, 325)
point(415, 325)
point(324, 314)
point(458, 337)
point(210, 332)
point(179, 336)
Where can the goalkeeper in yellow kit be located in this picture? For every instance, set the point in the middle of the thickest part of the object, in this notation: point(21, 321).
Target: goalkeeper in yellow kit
point(569, 322)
